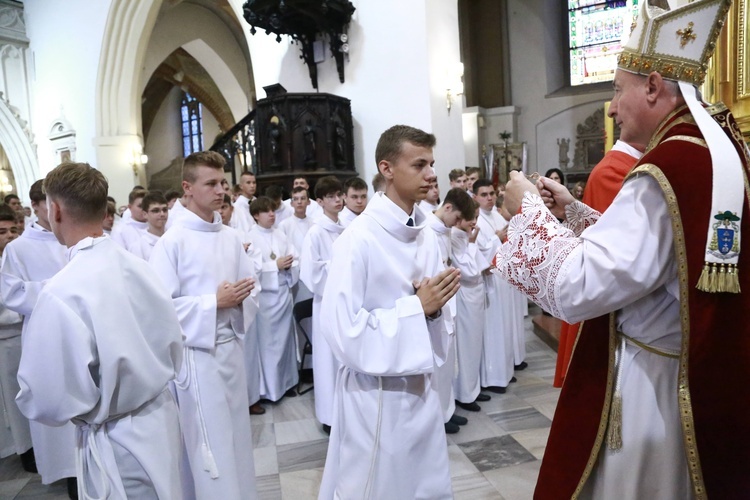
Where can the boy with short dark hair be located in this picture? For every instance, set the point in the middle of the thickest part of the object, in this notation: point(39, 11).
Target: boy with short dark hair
point(128, 233)
point(156, 208)
point(295, 228)
point(275, 324)
point(315, 259)
point(355, 200)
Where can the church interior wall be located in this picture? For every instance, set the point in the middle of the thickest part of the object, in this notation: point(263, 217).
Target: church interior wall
point(391, 75)
point(164, 141)
point(209, 40)
point(537, 58)
point(65, 40)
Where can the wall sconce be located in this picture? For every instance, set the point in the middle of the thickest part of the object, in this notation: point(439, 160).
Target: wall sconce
point(136, 159)
point(5, 185)
point(455, 86)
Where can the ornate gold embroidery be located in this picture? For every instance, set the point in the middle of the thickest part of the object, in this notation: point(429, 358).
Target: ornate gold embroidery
point(656, 139)
point(687, 34)
point(685, 405)
point(604, 420)
point(686, 138)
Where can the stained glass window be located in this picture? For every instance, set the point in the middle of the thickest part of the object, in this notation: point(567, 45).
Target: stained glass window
point(597, 29)
point(192, 124)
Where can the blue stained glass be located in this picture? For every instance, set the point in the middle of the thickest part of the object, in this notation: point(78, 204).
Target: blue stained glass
point(186, 146)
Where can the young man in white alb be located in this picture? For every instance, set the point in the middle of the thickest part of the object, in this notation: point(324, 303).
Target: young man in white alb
point(504, 317)
point(355, 200)
point(211, 280)
point(385, 319)
point(154, 205)
point(128, 233)
point(101, 356)
point(457, 206)
point(470, 312)
point(315, 259)
point(15, 436)
point(28, 263)
point(295, 228)
point(313, 209)
point(243, 221)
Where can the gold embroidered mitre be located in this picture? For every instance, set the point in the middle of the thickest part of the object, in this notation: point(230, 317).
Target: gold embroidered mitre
point(677, 43)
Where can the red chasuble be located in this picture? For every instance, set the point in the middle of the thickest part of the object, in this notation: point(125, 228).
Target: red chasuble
point(604, 183)
point(714, 393)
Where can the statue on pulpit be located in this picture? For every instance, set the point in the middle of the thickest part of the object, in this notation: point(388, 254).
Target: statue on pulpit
point(564, 145)
point(275, 136)
point(340, 145)
point(310, 148)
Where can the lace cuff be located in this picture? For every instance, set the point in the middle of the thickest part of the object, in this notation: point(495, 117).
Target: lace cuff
point(535, 253)
point(579, 216)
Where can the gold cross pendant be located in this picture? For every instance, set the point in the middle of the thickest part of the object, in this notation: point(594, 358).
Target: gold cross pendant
point(273, 255)
point(687, 34)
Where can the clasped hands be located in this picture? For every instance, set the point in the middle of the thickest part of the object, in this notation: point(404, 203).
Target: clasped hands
point(232, 294)
point(435, 292)
point(555, 196)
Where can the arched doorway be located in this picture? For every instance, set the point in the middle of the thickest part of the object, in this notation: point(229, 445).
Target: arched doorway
point(125, 69)
point(18, 149)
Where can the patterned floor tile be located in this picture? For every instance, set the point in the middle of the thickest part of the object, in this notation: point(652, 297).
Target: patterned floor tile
point(496, 453)
point(520, 419)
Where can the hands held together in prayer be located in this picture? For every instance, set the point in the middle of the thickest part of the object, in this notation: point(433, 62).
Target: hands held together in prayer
point(434, 292)
point(232, 294)
point(555, 195)
point(284, 262)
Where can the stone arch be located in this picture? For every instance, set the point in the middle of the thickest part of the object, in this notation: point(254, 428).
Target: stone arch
point(128, 29)
point(19, 149)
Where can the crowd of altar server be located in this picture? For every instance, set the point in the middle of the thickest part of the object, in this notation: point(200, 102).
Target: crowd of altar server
point(243, 347)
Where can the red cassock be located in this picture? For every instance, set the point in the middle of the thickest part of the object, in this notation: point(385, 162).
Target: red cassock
point(714, 393)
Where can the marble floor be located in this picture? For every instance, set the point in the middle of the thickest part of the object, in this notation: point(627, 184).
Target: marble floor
point(495, 456)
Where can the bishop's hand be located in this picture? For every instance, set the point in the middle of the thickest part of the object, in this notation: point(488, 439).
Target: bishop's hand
point(514, 190)
point(434, 292)
point(555, 196)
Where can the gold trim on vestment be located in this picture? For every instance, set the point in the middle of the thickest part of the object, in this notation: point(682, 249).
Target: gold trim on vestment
point(656, 139)
point(683, 386)
point(688, 138)
point(604, 420)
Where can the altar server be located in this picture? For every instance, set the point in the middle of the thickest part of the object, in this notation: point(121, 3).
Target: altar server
point(128, 233)
point(210, 278)
point(458, 205)
point(241, 219)
point(385, 319)
point(280, 271)
point(355, 200)
point(471, 311)
point(295, 228)
point(504, 319)
point(101, 356)
point(28, 262)
point(15, 437)
point(154, 205)
point(315, 260)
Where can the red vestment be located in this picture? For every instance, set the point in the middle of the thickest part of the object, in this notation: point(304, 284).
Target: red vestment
point(603, 185)
point(713, 395)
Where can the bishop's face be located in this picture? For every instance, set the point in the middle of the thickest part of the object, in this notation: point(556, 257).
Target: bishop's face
point(629, 104)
